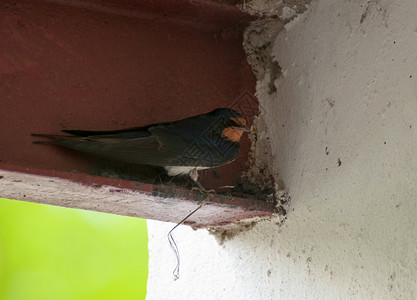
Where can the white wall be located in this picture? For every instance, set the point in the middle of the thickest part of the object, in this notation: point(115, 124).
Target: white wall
point(351, 231)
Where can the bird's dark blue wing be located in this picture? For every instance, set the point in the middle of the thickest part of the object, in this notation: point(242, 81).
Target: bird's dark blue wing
point(140, 150)
point(195, 141)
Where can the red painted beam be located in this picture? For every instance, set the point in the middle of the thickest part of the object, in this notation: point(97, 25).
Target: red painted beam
point(130, 198)
point(104, 65)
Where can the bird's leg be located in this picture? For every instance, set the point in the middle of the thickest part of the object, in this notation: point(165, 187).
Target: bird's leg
point(194, 176)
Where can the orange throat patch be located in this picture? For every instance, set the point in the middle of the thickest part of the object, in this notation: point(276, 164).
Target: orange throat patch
point(232, 134)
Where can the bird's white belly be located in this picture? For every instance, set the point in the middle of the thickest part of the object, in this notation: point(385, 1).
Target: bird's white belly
point(181, 170)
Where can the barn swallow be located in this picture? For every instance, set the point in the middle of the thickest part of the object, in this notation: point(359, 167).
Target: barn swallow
point(182, 147)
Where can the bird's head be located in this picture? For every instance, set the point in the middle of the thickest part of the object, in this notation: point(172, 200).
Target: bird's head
point(234, 124)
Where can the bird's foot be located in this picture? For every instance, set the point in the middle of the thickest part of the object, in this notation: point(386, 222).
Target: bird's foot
point(194, 176)
point(202, 190)
point(227, 187)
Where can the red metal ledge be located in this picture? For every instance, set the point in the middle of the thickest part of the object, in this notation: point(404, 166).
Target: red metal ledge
point(130, 198)
point(107, 64)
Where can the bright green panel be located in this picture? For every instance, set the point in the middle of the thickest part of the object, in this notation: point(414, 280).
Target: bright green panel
point(49, 252)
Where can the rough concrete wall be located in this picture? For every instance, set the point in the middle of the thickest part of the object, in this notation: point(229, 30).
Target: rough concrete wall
point(343, 132)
